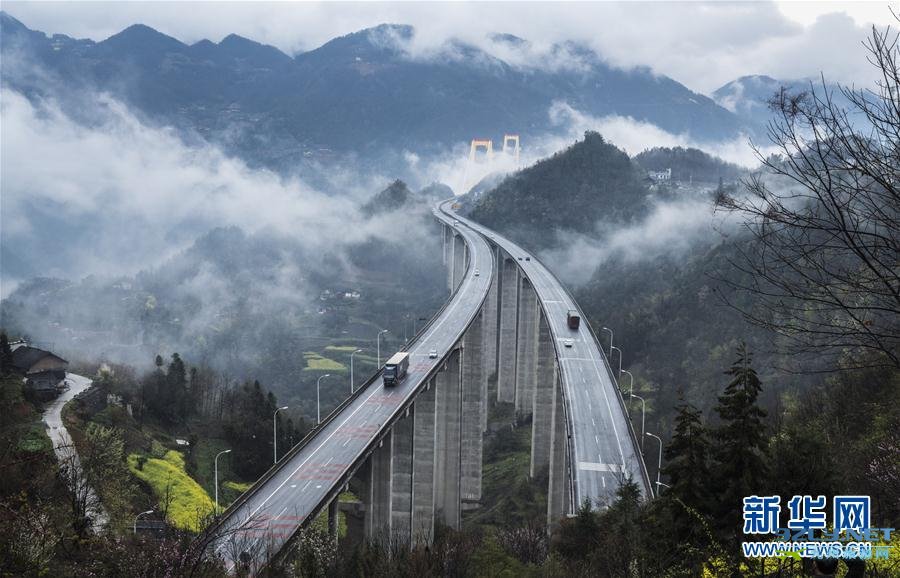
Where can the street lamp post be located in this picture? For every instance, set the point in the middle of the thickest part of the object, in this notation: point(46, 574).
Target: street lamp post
point(643, 415)
point(216, 476)
point(351, 369)
point(378, 346)
point(659, 462)
point(134, 527)
point(630, 380)
point(318, 407)
point(275, 434)
point(610, 339)
point(611, 349)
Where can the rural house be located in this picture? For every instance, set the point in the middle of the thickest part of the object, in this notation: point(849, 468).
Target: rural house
point(44, 372)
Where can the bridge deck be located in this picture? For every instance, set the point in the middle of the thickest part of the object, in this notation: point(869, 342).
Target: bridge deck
point(603, 447)
point(274, 508)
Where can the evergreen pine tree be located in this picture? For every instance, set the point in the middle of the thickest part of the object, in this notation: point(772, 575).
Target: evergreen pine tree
point(176, 387)
point(688, 499)
point(6, 357)
point(741, 441)
point(687, 458)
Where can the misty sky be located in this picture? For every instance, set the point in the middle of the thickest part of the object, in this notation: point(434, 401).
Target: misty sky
point(701, 44)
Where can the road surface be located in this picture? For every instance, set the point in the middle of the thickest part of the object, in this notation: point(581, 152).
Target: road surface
point(601, 441)
point(64, 447)
point(275, 507)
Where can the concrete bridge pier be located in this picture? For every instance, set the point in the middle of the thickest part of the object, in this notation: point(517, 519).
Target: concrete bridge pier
point(526, 348)
point(333, 519)
point(378, 512)
point(448, 256)
point(402, 478)
point(557, 493)
point(509, 304)
point(490, 330)
point(447, 441)
point(423, 466)
point(474, 413)
point(460, 258)
point(545, 390)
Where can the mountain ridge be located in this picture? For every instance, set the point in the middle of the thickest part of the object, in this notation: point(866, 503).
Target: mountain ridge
point(359, 93)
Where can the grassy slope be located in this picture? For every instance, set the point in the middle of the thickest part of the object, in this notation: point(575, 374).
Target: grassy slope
point(509, 496)
point(316, 362)
point(189, 503)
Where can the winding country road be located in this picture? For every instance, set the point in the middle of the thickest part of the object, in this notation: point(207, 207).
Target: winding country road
point(64, 447)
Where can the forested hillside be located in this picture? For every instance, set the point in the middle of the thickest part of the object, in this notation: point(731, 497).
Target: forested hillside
point(688, 164)
point(667, 311)
point(589, 183)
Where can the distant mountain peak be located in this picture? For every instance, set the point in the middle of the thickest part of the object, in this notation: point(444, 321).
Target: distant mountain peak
point(394, 196)
point(238, 46)
point(237, 40)
point(757, 78)
point(510, 39)
point(404, 31)
point(10, 22)
point(143, 37)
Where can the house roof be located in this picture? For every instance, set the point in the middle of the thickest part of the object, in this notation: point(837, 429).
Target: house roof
point(25, 357)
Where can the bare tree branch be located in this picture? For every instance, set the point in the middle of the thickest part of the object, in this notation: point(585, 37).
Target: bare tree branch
point(823, 267)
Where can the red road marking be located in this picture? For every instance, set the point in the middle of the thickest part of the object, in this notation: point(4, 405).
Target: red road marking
point(320, 472)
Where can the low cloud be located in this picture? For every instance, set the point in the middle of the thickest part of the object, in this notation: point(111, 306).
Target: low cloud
point(634, 136)
point(701, 44)
point(118, 195)
point(671, 228)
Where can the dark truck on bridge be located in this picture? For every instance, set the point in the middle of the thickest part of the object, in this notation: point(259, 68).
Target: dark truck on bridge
point(573, 319)
point(395, 368)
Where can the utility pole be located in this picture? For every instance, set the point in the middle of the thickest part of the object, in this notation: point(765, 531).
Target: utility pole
point(275, 434)
point(216, 476)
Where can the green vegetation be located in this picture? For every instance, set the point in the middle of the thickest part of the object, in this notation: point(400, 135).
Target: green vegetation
point(182, 499)
point(34, 439)
point(590, 181)
point(201, 465)
point(316, 362)
point(510, 496)
point(341, 348)
point(688, 164)
point(320, 524)
point(238, 487)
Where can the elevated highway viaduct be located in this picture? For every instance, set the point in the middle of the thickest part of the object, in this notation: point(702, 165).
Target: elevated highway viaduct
point(413, 452)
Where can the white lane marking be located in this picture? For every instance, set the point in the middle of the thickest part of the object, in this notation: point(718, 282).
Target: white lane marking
point(329, 461)
point(593, 423)
point(603, 479)
point(347, 441)
point(600, 467)
point(293, 485)
point(553, 286)
point(306, 485)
